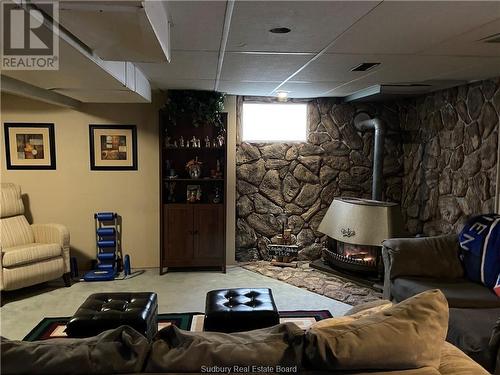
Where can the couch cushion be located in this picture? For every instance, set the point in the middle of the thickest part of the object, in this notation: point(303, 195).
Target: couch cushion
point(30, 253)
point(471, 331)
point(455, 362)
point(458, 292)
point(175, 350)
point(12, 203)
point(15, 231)
point(425, 257)
point(118, 351)
point(412, 332)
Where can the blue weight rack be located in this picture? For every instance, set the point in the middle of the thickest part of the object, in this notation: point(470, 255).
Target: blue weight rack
point(108, 244)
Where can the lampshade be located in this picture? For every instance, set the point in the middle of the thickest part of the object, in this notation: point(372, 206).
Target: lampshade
point(362, 221)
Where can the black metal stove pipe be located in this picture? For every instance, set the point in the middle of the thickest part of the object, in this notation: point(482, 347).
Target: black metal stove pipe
point(363, 122)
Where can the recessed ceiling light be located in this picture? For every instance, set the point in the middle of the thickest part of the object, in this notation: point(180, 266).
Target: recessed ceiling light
point(280, 30)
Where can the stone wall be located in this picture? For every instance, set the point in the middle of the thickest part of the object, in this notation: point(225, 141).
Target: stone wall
point(450, 156)
point(299, 180)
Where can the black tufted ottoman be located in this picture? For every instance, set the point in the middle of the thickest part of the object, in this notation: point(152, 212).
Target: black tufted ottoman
point(103, 311)
point(241, 309)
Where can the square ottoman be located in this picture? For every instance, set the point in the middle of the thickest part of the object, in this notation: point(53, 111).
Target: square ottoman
point(240, 309)
point(103, 311)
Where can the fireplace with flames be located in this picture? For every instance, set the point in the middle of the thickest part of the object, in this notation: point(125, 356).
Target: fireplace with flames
point(363, 259)
point(356, 228)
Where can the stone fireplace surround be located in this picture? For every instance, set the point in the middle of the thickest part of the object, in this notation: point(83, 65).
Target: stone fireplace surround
point(440, 163)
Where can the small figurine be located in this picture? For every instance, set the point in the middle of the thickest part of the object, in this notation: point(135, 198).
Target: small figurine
point(215, 143)
point(171, 192)
point(175, 144)
point(198, 143)
point(207, 142)
point(193, 141)
point(181, 141)
point(220, 140)
point(217, 198)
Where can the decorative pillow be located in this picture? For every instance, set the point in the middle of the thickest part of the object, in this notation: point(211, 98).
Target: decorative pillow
point(178, 351)
point(408, 335)
point(355, 313)
point(117, 351)
point(480, 243)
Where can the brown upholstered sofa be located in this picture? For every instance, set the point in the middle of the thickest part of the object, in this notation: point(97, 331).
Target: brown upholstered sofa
point(404, 339)
point(413, 265)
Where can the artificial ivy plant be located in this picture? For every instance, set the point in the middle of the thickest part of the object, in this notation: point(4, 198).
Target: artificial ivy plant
point(202, 106)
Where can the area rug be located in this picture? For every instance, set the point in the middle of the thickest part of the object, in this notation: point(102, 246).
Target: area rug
point(305, 277)
point(51, 328)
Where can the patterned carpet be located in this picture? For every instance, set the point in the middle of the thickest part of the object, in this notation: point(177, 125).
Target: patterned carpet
point(51, 328)
point(303, 276)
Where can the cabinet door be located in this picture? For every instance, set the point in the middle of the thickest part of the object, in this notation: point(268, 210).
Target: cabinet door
point(209, 233)
point(178, 235)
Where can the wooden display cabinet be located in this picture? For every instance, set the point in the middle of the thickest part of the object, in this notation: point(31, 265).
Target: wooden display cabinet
point(192, 234)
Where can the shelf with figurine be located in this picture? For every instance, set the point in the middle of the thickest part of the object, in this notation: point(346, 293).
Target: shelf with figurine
point(195, 144)
point(193, 162)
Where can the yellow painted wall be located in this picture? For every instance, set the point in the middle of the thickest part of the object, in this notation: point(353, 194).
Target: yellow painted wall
point(72, 193)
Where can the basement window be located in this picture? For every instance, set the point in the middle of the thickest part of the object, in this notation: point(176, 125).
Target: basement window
point(274, 122)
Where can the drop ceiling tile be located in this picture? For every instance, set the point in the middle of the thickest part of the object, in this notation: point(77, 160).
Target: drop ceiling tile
point(424, 68)
point(247, 88)
point(308, 89)
point(260, 67)
point(128, 33)
point(313, 24)
point(171, 83)
point(401, 27)
point(470, 43)
point(476, 69)
point(337, 67)
point(185, 65)
point(196, 25)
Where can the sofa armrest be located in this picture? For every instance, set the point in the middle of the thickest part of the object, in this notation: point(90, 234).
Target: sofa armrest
point(432, 257)
point(495, 346)
point(54, 233)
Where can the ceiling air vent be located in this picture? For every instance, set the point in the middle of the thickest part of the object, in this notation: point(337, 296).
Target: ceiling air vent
point(365, 66)
point(495, 38)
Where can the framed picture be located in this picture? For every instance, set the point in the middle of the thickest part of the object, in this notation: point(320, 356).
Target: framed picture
point(113, 148)
point(30, 146)
point(193, 193)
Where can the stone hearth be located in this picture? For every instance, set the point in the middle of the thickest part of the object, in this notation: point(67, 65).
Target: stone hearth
point(303, 276)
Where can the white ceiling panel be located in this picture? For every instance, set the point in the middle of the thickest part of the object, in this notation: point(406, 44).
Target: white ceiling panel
point(127, 30)
point(247, 88)
point(313, 24)
point(477, 69)
point(337, 67)
point(260, 67)
point(185, 65)
point(197, 25)
point(308, 89)
point(411, 26)
point(423, 68)
point(470, 43)
point(171, 83)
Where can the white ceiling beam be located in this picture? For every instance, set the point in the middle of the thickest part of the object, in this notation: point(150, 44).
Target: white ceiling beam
point(157, 14)
point(13, 86)
point(223, 42)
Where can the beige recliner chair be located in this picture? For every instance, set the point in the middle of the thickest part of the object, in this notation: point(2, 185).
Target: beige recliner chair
point(30, 254)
